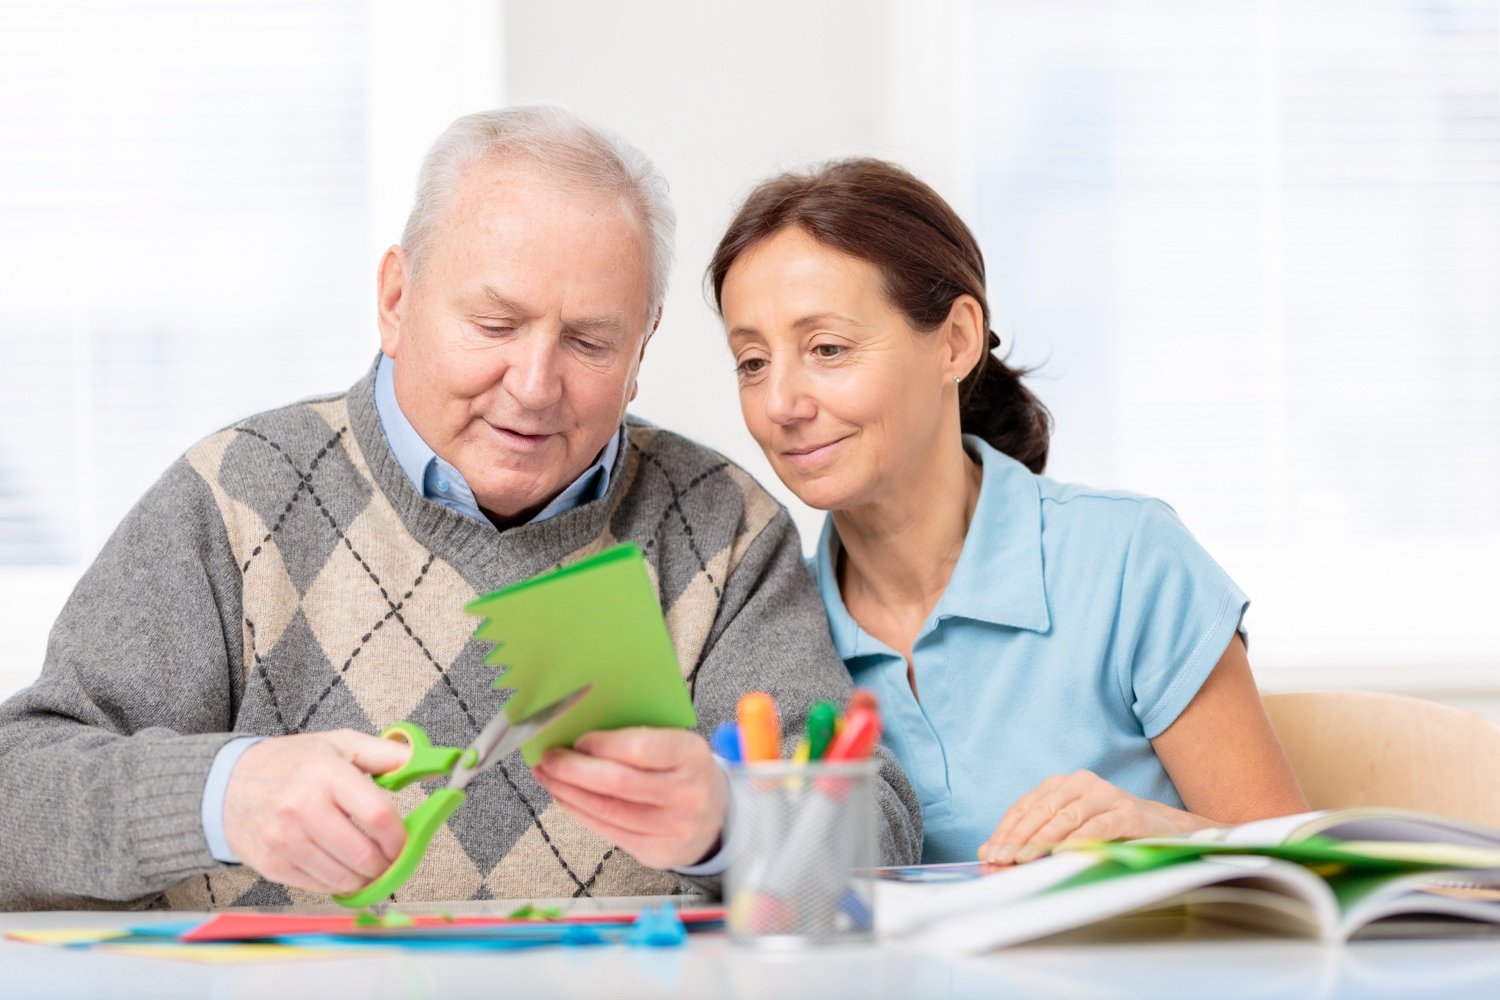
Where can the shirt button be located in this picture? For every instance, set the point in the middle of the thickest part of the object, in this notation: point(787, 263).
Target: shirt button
point(441, 484)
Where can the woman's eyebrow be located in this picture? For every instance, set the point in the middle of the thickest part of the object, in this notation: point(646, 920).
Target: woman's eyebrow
point(824, 317)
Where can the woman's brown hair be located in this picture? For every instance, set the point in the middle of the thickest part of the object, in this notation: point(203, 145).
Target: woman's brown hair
point(879, 213)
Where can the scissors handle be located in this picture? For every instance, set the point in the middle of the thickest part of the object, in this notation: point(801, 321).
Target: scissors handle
point(426, 761)
point(421, 823)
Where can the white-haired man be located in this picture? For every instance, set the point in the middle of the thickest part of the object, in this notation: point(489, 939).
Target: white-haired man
point(201, 733)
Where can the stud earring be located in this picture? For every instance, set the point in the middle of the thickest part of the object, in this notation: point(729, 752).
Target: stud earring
point(958, 380)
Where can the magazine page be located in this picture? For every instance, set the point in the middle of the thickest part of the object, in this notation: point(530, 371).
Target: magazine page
point(1276, 830)
point(1399, 824)
point(1303, 903)
point(914, 896)
point(1365, 900)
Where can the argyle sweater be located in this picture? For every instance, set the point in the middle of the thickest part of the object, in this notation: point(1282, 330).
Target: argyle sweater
point(284, 576)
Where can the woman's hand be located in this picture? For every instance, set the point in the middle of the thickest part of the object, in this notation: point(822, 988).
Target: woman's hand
point(1079, 806)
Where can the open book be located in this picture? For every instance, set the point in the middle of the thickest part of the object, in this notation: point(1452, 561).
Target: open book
point(1327, 875)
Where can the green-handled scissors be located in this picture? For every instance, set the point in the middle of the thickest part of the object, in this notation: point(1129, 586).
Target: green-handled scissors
point(497, 740)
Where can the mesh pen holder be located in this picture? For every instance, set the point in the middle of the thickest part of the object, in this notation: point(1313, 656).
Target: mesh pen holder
point(797, 834)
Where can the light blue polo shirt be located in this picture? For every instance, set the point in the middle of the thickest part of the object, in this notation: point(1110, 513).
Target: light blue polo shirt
point(1077, 625)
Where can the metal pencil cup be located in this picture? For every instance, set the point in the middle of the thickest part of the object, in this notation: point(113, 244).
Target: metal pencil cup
point(797, 833)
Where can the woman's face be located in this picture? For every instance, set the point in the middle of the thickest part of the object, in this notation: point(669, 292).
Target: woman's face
point(846, 399)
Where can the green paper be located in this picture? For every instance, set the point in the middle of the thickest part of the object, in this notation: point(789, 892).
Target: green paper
point(595, 622)
point(1321, 853)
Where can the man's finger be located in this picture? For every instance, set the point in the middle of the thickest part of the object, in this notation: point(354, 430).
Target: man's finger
point(637, 818)
point(370, 754)
point(372, 808)
point(341, 840)
point(324, 873)
point(643, 747)
point(600, 774)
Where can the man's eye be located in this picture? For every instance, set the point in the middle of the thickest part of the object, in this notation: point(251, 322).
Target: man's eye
point(495, 330)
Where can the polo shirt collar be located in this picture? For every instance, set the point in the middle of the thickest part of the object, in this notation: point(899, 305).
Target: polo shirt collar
point(998, 577)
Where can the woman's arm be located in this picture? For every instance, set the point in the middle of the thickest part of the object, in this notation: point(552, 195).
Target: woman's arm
point(1221, 753)
point(1245, 774)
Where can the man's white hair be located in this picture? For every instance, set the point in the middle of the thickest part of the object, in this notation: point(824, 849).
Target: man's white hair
point(563, 144)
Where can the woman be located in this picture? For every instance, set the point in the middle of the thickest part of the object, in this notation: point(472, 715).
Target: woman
point(1054, 662)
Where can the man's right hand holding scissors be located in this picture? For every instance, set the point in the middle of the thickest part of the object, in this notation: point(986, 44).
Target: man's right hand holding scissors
point(302, 810)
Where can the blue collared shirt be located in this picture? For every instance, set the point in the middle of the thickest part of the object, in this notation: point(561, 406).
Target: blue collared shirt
point(1076, 626)
point(441, 483)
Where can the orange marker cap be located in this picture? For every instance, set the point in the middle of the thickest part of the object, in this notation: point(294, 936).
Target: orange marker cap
point(760, 727)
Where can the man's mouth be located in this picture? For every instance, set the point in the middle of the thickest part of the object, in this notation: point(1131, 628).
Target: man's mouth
point(522, 439)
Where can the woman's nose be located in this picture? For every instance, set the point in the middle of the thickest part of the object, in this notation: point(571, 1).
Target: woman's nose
point(788, 399)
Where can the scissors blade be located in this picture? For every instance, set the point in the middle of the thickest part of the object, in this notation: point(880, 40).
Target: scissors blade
point(500, 736)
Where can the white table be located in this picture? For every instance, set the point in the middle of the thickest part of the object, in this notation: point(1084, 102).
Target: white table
point(1135, 959)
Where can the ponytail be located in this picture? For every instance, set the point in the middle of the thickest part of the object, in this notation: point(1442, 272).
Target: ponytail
point(994, 405)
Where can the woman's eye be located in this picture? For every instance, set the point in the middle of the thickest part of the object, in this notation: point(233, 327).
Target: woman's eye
point(750, 366)
point(827, 351)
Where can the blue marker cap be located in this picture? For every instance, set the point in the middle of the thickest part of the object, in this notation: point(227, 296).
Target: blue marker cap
point(726, 741)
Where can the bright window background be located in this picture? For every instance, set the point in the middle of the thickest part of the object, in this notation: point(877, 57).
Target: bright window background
point(1254, 248)
point(194, 196)
point(1253, 244)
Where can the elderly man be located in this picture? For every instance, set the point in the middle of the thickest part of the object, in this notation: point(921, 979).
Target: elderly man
point(301, 576)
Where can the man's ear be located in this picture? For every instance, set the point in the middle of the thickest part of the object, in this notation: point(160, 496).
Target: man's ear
point(654, 324)
point(635, 383)
point(390, 298)
point(965, 337)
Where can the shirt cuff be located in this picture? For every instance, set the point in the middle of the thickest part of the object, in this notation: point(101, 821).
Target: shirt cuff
point(717, 864)
point(213, 796)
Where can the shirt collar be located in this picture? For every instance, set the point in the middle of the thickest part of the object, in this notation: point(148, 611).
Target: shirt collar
point(998, 577)
point(441, 483)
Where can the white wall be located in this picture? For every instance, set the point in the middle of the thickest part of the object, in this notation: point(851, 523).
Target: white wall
point(721, 96)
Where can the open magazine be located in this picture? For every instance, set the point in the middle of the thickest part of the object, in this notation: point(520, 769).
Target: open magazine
point(1329, 875)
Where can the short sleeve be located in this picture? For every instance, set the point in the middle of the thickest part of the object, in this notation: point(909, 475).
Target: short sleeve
point(1178, 612)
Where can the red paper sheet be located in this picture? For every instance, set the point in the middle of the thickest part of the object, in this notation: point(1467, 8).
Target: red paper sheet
point(261, 926)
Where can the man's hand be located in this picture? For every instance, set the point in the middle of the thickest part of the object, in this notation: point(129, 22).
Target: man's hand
point(657, 793)
point(1079, 806)
point(293, 802)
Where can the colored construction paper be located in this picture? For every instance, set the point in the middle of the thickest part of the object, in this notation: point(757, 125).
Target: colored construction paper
point(596, 622)
point(166, 945)
point(288, 926)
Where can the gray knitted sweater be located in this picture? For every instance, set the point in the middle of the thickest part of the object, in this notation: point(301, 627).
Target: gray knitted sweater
point(284, 576)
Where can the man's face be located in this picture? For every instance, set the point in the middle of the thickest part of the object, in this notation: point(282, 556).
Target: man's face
point(517, 348)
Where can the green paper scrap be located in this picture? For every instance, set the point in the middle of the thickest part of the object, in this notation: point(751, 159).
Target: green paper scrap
point(532, 912)
point(596, 622)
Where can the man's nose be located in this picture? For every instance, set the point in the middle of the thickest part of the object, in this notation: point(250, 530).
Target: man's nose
point(534, 376)
point(788, 395)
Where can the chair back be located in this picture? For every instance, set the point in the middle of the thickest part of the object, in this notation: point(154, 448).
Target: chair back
point(1362, 748)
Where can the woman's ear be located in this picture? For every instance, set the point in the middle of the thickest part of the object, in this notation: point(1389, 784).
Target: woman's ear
point(965, 337)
